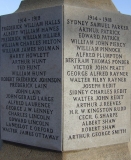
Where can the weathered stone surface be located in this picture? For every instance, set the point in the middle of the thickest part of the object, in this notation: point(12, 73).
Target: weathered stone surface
point(96, 78)
point(32, 86)
point(114, 152)
point(17, 152)
point(106, 5)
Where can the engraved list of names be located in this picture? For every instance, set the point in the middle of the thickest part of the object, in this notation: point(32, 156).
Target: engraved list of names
point(97, 78)
point(31, 77)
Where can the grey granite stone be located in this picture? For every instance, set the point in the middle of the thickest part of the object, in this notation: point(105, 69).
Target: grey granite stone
point(83, 117)
point(96, 78)
point(106, 5)
point(54, 98)
point(32, 81)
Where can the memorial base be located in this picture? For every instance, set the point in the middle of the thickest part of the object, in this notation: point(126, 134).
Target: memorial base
point(11, 151)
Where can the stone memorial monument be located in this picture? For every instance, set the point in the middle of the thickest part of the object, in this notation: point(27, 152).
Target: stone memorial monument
point(65, 81)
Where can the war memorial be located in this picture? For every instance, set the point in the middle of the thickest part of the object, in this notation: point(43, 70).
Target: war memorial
point(65, 81)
